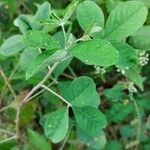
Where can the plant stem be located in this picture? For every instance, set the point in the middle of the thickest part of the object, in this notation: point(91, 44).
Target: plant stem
point(67, 76)
point(8, 84)
point(40, 91)
point(72, 72)
point(26, 99)
point(40, 83)
point(138, 116)
point(4, 108)
point(18, 122)
point(64, 143)
point(51, 91)
point(8, 139)
point(65, 38)
point(6, 131)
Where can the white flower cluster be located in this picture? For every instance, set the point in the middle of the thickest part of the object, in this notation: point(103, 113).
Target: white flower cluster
point(132, 88)
point(121, 69)
point(144, 58)
point(99, 70)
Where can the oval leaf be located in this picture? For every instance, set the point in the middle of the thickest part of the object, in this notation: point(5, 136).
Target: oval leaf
point(141, 39)
point(43, 60)
point(96, 52)
point(89, 13)
point(38, 39)
point(56, 125)
point(27, 56)
point(80, 92)
point(12, 45)
point(89, 119)
point(38, 141)
point(43, 12)
point(125, 19)
point(127, 54)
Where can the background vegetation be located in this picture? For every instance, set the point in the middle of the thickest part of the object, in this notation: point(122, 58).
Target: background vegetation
point(124, 97)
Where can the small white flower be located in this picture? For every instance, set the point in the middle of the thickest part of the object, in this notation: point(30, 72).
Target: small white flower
point(143, 58)
point(132, 88)
point(99, 70)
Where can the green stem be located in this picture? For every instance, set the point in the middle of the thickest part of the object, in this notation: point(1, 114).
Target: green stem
point(138, 116)
point(8, 84)
point(51, 91)
point(40, 83)
point(72, 72)
point(65, 38)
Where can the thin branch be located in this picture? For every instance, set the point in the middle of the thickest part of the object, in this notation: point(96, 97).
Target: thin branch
point(40, 83)
point(6, 107)
point(67, 76)
point(51, 91)
point(18, 122)
point(64, 32)
point(138, 116)
point(72, 72)
point(8, 84)
point(8, 139)
point(64, 143)
point(9, 78)
point(38, 93)
point(6, 131)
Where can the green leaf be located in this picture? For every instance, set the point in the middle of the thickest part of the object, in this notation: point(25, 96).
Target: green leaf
point(27, 56)
point(8, 144)
point(12, 45)
point(69, 10)
point(111, 4)
point(59, 36)
point(125, 20)
point(38, 39)
point(95, 52)
point(115, 93)
point(43, 12)
point(114, 145)
point(119, 112)
point(134, 74)
point(89, 13)
point(26, 22)
point(127, 131)
point(127, 54)
point(96, 141)
point(56, 125)
point(62, 66)
point(38, 141)
point(43, 60)
point(89, 119)
point(141, 39)
point(80, 92)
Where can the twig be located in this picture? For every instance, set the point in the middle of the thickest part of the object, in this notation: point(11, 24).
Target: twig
point(8, 139)
point(139, 118)
point(26, 99)
point(67, 76)
point(18, 122)
point(9, 78)
point(65, 38)
point(6, 107)
point(6, 131)
point(40, 83)
point(64, 143)
point(72, 72)
point(38, 93)
point(51, 91)
point(8, 84)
